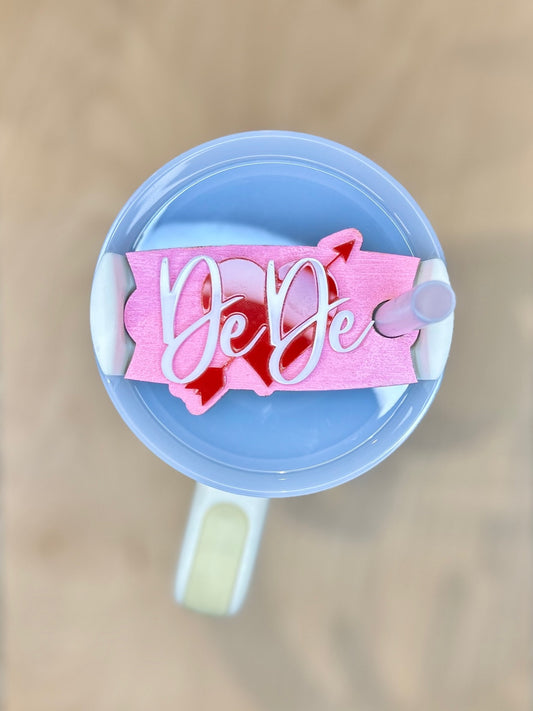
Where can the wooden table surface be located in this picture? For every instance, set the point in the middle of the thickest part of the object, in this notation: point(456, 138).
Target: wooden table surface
point(408, 589)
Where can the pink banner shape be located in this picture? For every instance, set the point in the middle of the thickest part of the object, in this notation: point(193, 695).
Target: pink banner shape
point(264, 318)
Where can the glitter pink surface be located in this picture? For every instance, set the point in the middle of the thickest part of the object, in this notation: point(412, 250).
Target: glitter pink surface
point(366, 279)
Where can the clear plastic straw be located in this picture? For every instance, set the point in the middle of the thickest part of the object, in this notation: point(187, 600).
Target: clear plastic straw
point(427, 303)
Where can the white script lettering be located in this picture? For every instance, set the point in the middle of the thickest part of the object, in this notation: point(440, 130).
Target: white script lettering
point(221, 335)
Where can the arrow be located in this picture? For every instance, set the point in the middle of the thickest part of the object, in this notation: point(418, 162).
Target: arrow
point(343, 250)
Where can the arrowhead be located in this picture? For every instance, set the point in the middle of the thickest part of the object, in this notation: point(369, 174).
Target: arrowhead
point(344, 250)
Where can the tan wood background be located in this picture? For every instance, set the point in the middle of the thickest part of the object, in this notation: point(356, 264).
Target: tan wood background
point(406, 590)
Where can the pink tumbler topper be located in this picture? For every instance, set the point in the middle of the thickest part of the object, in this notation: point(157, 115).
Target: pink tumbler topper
point(209, 319)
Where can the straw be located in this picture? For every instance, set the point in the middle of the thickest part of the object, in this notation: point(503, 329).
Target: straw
point(427, 303)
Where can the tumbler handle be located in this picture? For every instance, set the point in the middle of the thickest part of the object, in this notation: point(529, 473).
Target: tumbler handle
point(219, 550)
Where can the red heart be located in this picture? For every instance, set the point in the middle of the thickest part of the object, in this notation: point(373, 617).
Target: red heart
point(243, 277)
